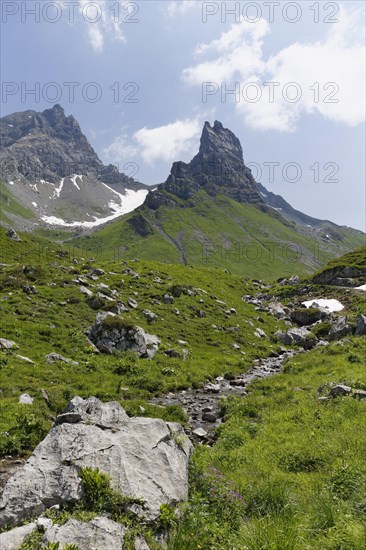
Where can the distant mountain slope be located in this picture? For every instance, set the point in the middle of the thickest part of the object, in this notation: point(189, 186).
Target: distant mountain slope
point(210, 212)
point(50, 167)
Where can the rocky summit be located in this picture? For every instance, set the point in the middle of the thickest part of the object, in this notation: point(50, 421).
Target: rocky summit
point(217, 168)
point(50, 167)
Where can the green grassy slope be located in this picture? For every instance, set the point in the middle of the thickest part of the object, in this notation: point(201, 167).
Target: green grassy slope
point(217, 232)
point(288, 471)
point(10, 209)
point(56, 317)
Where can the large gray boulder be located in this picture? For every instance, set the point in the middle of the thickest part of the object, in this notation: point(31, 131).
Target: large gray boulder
point(12, 540)
point(111, 333)
point(99, 534)
point(145, 458)
point(298, 336)
point(340, 328)
point(361, 325)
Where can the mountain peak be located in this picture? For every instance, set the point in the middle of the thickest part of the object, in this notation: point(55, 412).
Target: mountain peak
point(218, 168)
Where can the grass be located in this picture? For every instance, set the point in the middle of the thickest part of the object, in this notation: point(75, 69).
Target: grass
point(288, 471)
point(55, 320)
point(216, 232)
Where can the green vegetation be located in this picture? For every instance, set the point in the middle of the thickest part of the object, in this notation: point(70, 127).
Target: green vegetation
point(216, 232)
point(288, 471)
point(56, 317)
point(10, 208)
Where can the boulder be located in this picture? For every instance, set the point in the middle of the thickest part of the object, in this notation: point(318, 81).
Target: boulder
point(339, 328)
point(340, 390)
point(111, 333)
point(13, 235)
point(145, 458)
point(26, 399)
point(99, 534)
point(361, 325)
point(299, 336)
point(7, 344)
point(306, 316)
point(150, 316)
point(13, 539)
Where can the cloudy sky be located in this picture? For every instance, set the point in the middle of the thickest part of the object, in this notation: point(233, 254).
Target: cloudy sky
point(142, 77)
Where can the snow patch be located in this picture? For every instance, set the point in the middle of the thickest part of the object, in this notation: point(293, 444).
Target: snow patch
point(11, 125)
point(34, 204)
point(263, 194)
point(73, 180)
point(58, 190)
point(361, 287)
point(128, 202)
point(330, 304)
point(11, 183)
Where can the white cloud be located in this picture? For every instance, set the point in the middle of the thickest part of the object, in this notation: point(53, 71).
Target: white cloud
point(165, 143)
point(175, 8)
point(338, 58)
point(107, 23)
point(168, 142)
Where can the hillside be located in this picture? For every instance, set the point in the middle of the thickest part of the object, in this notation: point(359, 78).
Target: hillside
point(212, 213)
point(220, 337)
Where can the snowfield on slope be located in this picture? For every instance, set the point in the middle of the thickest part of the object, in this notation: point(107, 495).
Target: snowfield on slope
point(126, 203)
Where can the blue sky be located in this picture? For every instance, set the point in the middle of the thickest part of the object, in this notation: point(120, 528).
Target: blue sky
point(146, 75)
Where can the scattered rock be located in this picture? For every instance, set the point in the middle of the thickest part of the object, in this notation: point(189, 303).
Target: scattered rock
point(209, 417)
point(167, 299)
point(26, 399)
point(260, 333)
point(26, 359)
point(340, 390)
point(53, 357)
point(88, 293)
point(132, 303)
point(359, 394)
point(150, 316)
point(200, 432)
point(13, 235)
point(7, 344)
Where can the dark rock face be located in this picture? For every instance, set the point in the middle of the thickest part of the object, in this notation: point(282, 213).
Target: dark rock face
point(217, 168)
point(50, 146)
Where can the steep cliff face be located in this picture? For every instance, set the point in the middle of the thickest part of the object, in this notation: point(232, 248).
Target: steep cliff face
point(218, 168)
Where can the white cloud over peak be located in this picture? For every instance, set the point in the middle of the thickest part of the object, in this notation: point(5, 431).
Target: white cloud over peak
point(165, 143)
point(327, 75)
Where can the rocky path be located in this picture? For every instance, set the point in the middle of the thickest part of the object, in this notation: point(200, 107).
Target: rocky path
point(203, 405)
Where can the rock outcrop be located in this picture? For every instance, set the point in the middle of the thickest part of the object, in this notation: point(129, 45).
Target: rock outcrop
point(145, 458)
point(111, 333)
